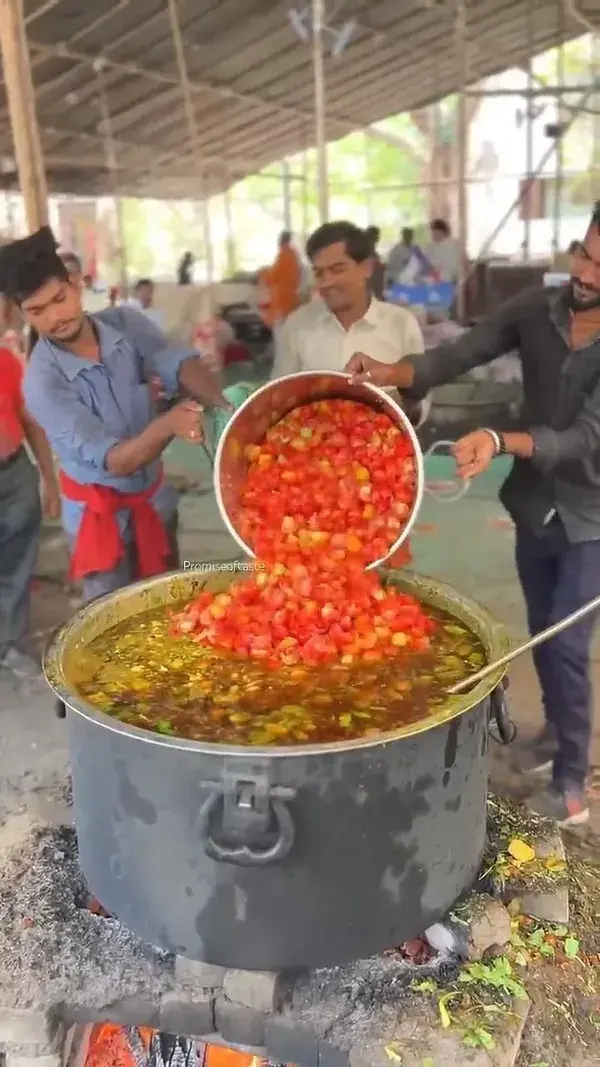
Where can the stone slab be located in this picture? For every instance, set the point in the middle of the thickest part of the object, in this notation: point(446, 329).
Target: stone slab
point(10, 1060)
point(260, 990)
point(19, 1026)
point(198, 975)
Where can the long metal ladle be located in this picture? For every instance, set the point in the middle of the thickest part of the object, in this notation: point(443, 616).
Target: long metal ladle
point(544, 635)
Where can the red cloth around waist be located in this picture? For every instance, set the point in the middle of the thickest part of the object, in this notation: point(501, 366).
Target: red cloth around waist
point(99, 546)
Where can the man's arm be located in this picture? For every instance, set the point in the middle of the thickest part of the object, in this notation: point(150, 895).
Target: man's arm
point(493, 337)
point(180, 368)
point(75, 433)
point(287, 357)
point(544, 446)
point(38, 442)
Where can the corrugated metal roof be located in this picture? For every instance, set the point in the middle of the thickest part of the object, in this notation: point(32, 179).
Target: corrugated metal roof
point(251, 77)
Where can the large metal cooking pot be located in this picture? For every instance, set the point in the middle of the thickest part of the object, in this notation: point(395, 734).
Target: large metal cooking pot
point(265, 858)
point(249, 424)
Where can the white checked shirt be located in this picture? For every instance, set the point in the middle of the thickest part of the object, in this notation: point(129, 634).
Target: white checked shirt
point(313, 339)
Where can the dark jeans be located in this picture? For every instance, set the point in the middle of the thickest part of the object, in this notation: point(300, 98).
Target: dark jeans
point(557, 578)
point(96, 585)
point(20, 521)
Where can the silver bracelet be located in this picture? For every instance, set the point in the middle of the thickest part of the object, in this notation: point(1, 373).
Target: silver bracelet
point(495, 438)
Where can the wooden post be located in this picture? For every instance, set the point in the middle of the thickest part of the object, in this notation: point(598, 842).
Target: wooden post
point(23, 118)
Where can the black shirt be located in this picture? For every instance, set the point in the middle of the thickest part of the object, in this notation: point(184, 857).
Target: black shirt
point(561, 408)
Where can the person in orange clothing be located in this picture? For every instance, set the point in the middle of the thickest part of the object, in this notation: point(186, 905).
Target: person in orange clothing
point(283, 281)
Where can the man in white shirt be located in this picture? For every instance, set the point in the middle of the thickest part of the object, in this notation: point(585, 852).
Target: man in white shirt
point(343, 318)
point(443, 253)
point(143, 300)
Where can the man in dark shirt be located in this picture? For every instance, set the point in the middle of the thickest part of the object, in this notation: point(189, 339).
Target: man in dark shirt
point(552, 492)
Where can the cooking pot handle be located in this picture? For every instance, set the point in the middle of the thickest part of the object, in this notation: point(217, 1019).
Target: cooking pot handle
point(243, 855)
point(502, 727)
point(456, 490)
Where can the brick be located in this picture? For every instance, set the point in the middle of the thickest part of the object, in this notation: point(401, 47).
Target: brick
point(20, 1060)
point(22, 1027)
point(332, 1057)
point(198, 975)
point(288, 1043)
point(260, 990)
point(239, 1025)
point(131, 1011)
point(187, 1018)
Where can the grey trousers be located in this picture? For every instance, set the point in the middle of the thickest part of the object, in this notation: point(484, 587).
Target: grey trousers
point(20, 522)
point(96, 585)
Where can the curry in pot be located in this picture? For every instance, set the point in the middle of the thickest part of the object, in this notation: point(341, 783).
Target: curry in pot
point(142, 674)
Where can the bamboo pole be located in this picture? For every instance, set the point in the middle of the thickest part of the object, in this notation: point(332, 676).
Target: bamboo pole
point(318, 54)
point(559, 162)
point(22, 113)
point(462, 136)
point(529, 167)
point(190, 114)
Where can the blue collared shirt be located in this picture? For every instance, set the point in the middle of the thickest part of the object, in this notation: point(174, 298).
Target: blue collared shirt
point(85, 407)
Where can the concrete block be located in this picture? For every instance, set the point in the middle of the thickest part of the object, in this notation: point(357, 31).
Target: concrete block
point(239, 1025)
point(288, 1043)
point(187, 1018)
point(260, 990)
point(21, 1027)
point(198, 975)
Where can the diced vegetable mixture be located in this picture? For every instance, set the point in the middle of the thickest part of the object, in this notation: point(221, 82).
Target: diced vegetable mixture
point(311, 647)
point(144, 676)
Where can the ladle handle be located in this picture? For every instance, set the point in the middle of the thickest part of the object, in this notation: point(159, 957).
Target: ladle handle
point(544, 635)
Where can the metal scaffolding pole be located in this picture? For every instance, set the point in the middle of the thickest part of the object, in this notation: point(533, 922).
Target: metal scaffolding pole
point(530, 48)
point(286, 189)
point(21, 107)
point(462, 133)
point(229, 233)
point(318, 17)
point(595, 71)
point(368, 189)
point(305, 180)
point(111, 161)
point(190, 113)
point(559, 164)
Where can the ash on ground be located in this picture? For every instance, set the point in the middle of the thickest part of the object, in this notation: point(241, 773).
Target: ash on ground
point(53, 951)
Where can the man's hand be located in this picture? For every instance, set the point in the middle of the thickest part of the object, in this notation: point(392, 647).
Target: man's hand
point(365, 369)
point(50, 499)
point(474, 453)
point(185, 420)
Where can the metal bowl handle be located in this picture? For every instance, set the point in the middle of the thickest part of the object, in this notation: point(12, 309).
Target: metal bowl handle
point(254, 816)
point(502, 727)
point(458, 489)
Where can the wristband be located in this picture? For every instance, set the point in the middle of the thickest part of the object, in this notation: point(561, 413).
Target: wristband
point(497, 439)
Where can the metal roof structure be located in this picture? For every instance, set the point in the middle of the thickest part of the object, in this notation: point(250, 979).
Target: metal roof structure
point(109, 97)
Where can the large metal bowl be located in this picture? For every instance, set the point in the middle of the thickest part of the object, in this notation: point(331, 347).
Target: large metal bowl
point(271, 403)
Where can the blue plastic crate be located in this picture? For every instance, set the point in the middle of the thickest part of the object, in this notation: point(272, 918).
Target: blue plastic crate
point(431, 296)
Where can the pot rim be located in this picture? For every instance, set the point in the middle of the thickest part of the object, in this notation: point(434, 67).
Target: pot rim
point(427, 587)
point(383, 397)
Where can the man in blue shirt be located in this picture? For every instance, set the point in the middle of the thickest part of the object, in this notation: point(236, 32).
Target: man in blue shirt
point(88, 384)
